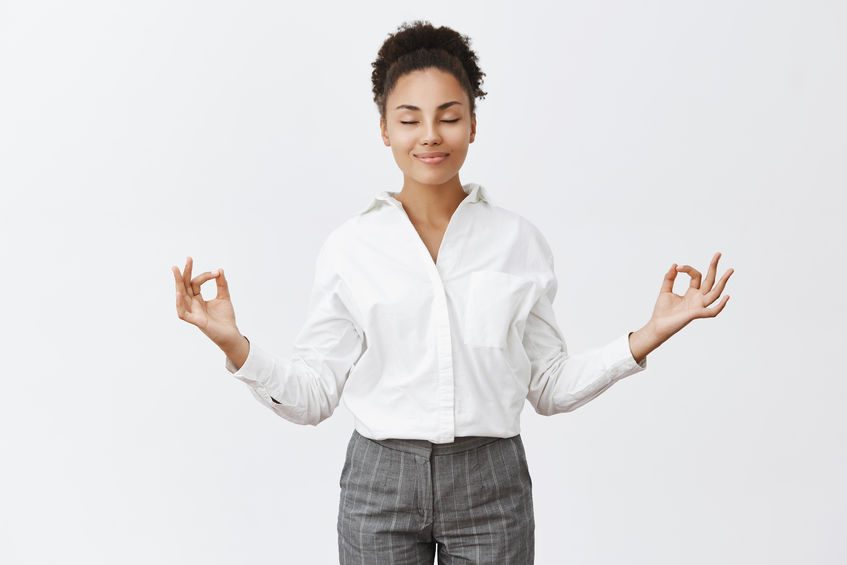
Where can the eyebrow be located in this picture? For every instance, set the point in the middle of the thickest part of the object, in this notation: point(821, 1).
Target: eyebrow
point(443, 106)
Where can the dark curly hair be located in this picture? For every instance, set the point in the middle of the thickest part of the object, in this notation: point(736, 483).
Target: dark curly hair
point(418, 45)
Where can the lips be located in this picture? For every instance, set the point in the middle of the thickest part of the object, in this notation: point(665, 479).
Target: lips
point(431, 158)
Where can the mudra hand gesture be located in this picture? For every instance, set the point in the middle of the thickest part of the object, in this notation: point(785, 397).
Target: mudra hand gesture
point(216, 317)
point(673, 312)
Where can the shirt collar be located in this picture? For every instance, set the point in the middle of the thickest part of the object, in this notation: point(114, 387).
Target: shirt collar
point(476, 193)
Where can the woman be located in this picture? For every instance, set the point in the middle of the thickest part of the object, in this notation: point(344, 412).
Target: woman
point(432, 310)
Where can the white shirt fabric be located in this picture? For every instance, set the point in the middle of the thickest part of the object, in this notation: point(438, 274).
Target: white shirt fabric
point(433, 350)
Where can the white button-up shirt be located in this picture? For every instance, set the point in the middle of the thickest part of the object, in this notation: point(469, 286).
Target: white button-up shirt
point(427, 349)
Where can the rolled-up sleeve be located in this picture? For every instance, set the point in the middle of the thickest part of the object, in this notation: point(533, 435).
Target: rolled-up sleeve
point(307, 386)
point(560, 382)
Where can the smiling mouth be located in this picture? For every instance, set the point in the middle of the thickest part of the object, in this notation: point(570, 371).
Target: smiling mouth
point(433, 160)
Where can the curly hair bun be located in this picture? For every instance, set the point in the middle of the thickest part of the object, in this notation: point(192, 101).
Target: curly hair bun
point(418, 45)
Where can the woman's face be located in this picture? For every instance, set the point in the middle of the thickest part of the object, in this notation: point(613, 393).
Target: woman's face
point(428, 112)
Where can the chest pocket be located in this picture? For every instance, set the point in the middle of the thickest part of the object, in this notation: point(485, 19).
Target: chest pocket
point(496, 300)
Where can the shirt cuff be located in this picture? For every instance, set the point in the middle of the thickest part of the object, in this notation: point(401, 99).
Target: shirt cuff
point(256, 368)
point(619, 360)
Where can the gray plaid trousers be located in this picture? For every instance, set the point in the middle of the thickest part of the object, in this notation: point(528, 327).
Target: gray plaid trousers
point(402, 499)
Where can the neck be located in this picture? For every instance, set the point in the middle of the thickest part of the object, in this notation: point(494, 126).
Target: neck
point(431, 203)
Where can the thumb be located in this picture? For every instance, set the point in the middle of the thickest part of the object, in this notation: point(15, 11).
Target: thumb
point(223, 288)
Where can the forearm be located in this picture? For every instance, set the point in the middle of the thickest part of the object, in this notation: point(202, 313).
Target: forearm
point(236, 349)
point(643, 341)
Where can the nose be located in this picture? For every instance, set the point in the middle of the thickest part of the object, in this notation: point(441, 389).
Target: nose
point(431, 135)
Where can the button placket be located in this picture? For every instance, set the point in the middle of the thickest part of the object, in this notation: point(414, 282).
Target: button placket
point(444, 341)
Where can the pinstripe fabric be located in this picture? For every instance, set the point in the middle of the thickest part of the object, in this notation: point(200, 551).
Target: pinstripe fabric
point(402, 499)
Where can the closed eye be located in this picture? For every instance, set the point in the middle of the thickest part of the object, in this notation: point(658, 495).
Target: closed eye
point(448, 121)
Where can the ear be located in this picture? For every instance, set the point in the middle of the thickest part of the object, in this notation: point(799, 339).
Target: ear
point(384, 132)
point(473, 128)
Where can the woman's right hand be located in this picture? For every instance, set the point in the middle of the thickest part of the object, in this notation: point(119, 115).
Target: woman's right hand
point(215, 318)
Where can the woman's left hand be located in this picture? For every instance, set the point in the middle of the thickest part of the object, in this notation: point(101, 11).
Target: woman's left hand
point(673, 312)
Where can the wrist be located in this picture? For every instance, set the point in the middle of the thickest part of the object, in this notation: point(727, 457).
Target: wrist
point(231, 340)
point(236, 348)
point(650, 334)
point(643, 341)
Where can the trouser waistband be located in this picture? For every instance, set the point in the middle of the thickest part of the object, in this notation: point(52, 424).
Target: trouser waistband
point(425, 448)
